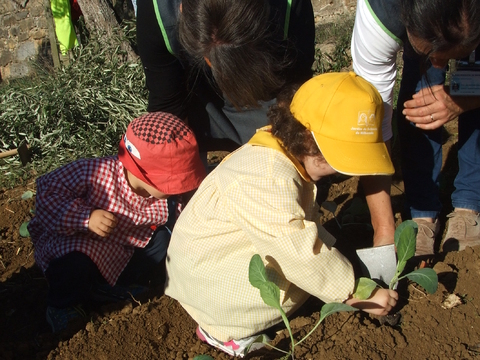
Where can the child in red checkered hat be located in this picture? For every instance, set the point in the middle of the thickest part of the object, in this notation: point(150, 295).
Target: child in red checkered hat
point(104, 224)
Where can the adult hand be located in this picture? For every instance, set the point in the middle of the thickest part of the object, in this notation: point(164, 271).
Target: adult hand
point(432, 107)
point(102, 222)
point(381, 302)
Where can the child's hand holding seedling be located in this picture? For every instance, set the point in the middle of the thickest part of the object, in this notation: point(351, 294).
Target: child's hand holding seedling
point(380, 302)
point(102, 222)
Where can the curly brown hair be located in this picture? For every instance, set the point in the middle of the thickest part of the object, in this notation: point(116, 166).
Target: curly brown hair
point(295, 137)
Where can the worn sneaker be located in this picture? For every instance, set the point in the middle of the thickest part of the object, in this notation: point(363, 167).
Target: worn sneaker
point(426, 235)
point(239, 347)
point(58, 318)
point(463, 230)
point(107, 293)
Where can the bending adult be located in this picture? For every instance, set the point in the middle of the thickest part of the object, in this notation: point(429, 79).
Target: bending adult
point(221, 63)
point(431, 32)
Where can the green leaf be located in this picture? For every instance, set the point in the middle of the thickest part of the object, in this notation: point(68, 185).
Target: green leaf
point(261, 339)
point(331, 308)
point(405, 241)
point(203, 357)
point(24, 230)
point(256, 272)
point(400, 266)
point(426, 278)
point(257, 276)
point(364, 288)
point(27, 195)
point(270, 294)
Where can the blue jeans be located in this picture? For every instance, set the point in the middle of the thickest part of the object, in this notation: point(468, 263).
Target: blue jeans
point(467, 181)
point(421, 150)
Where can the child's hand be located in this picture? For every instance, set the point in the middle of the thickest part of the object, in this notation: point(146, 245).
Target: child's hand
point(102, 222)
point(381, 302)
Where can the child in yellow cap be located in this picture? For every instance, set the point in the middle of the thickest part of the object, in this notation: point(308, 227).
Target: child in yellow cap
point(261, 200)
point(104, 224)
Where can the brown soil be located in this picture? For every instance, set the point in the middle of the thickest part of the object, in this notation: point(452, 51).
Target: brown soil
point(158, 328)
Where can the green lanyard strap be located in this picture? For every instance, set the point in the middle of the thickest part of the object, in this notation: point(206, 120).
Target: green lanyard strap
point(162, 28)
point(287, 19)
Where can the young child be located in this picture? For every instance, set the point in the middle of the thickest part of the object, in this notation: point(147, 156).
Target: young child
point(104, 224)
point(261, 200)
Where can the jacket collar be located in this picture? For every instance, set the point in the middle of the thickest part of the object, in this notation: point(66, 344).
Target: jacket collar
point(263, 137)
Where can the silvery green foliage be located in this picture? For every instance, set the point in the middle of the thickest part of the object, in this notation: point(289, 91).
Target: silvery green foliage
point(78, 111)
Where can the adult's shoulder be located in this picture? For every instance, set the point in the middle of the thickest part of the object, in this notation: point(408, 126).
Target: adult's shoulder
point(387, 13)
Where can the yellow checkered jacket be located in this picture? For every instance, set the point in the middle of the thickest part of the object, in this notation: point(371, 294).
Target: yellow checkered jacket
point(257, 201)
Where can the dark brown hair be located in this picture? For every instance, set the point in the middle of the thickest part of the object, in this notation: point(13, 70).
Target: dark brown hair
point(295, 137)
point(234, 36)
point(445, 24)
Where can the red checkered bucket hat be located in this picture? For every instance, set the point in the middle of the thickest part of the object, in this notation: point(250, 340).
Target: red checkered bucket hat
point(161, 150)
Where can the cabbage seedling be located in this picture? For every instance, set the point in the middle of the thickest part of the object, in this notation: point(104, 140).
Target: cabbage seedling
point(405, 241)
point(270, 294)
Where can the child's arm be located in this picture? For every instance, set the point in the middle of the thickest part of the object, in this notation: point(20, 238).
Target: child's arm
point(381, 302)
point(60, 201)
point(102, 222)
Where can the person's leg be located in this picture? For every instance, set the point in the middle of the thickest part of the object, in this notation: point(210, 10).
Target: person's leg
point(467, 181)
point(146, 265)
point(146, 268)
point(70, 280)
point(421, 157)
point(463, 225)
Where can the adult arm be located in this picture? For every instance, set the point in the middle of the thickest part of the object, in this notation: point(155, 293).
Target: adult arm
point(374, 53)
point(377, 193)
point(436, 103)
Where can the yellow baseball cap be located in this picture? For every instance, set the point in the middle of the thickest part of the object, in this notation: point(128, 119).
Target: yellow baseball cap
point(344, 112)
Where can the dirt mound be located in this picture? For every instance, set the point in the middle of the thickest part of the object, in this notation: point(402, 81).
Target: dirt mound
point(156, 327)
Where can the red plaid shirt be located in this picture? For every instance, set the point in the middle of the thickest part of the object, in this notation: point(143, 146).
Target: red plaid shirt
point(66, 197)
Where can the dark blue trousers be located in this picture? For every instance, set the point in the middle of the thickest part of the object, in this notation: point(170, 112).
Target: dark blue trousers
point(72, 278)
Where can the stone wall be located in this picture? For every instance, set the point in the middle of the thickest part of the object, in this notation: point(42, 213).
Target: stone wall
point(24, 32)
point(23, 37)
